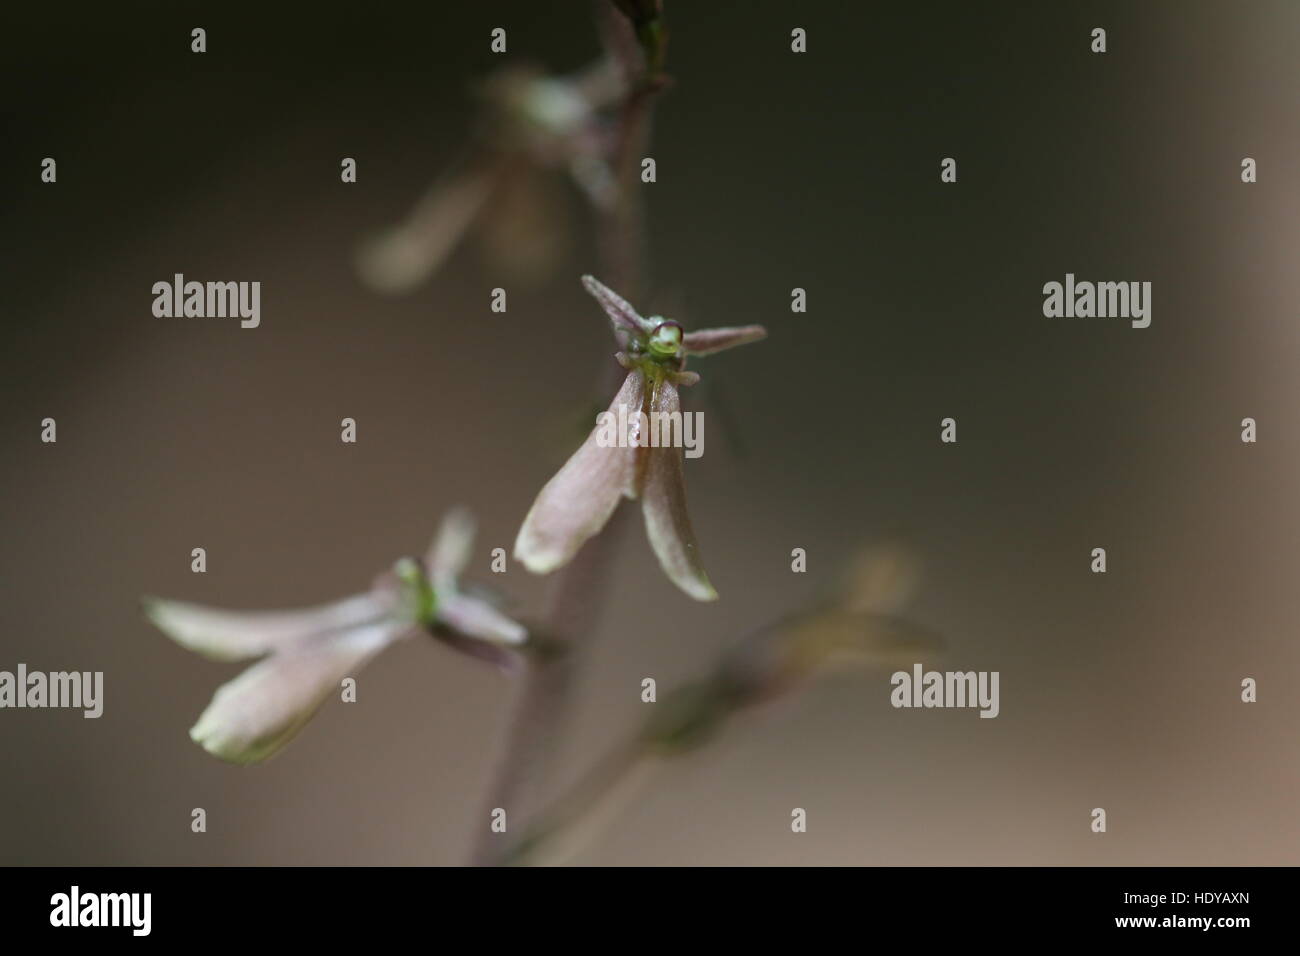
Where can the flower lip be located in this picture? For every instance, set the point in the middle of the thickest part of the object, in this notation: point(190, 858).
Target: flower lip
point(666, 338)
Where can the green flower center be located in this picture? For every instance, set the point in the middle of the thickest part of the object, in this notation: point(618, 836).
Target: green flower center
point(665, 340)
point(418, 598)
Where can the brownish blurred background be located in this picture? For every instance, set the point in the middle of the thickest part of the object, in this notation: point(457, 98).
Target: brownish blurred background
point(774, 171)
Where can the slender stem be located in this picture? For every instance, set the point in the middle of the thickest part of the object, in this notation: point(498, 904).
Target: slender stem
point(577, 818)
point(546, 683)
point(535, 725)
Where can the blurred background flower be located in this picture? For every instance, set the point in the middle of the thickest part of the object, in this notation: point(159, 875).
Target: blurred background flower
point(858, 626)
point(534, 129)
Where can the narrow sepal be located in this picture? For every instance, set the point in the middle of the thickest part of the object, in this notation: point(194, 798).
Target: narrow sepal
point(451, 548)
point(239, 635)
point(709, 341)
point(473, 617)
point(622, 316)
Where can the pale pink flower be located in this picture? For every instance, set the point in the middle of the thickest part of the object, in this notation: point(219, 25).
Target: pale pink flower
point(576, 503)
point(306, 653)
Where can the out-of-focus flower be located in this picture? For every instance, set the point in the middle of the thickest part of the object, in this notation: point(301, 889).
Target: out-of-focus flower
point(306, 653)
point(534, 125)
point(577, 502)
point(859, 626)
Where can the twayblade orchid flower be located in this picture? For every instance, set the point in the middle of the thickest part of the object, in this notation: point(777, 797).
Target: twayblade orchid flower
point(858, 625)
point(504, 186)
point(577, 502)
point(305, 654)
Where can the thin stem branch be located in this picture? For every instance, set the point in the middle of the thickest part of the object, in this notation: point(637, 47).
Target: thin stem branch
point(546, 687)
point(578, 817)
point(533, 733)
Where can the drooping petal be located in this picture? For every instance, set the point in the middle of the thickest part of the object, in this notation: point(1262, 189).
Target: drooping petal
point(473, 617)
point(708, 341)
point(398, 260)
point(622, 316)
point(257, 713)
point(238, 635)
point(578, 500)
point(451, 548)
point(663, 499)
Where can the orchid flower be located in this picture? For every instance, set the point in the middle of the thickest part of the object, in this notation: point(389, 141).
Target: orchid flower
point(533, 125)
point(858, 625)
point(577, 502)
point(305, 654)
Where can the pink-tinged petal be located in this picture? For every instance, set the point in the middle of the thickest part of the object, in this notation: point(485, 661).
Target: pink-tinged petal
point(663, 499)
point(622, 316)
point(451, 548)
point(238, 635)
point(509, 659)
point(708, 341)
point(401, 258)
point(258, 712)
point(576, 503)
point(473, 617)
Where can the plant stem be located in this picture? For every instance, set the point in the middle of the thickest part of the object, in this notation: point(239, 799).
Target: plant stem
point(535, 725)
point(578, 817)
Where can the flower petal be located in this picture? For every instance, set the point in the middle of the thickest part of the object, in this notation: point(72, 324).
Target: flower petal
point(257, 713)
point(451, 548)
point(473, 617)
point(663, 499)
point(238, 635)
point(505, 658)
point(622, 316)
point(398, 260)
point(578, 500)
point(708, 341)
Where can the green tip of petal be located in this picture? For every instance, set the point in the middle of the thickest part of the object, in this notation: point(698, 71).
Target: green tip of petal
point(149, 607)
point(536, 560)
point(407, 571)
point(698, 587)
point(207, 736)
